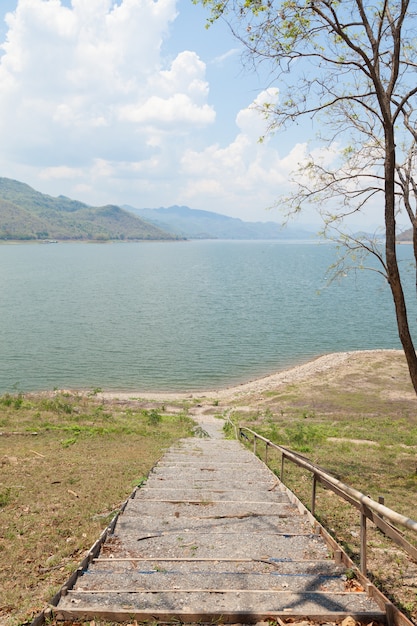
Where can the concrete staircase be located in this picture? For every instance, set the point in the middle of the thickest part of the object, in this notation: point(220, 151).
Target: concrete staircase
point(214, 536)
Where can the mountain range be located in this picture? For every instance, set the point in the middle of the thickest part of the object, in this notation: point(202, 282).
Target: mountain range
point(406, 236)
point(195, 224)
point(27, 214)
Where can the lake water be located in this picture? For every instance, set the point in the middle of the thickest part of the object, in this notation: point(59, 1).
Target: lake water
point(179, 316)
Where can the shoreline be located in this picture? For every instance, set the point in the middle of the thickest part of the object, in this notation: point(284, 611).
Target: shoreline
point(265, 383)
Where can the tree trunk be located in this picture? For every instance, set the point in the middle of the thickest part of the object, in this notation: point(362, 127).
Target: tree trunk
point(415, 250)
point(391, 258)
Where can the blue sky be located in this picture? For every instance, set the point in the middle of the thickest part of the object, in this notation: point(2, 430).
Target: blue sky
point(136, 102)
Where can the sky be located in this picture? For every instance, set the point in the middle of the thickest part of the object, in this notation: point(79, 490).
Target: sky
point(136, 102)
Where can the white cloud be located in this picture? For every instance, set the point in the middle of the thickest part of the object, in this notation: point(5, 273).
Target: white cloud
point(252, 120)
point(60, 172)
point(185, 74)
point(175, 110)
point(219, 60)
point(179, 96)
point(245, 176)
point(91, 108)
point(67, 73)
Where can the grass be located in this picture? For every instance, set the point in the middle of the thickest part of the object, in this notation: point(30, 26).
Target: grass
point(67, 464)
point(61, 486)
point(360, 424)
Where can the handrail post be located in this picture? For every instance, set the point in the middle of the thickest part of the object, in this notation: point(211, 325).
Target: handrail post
point(363, 563)
point(266, 452)
point(381, 500)
point(353, 496)
point(313, 495)
point(254, 444)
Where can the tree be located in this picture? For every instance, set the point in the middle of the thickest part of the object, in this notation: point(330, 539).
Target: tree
point(355, 62)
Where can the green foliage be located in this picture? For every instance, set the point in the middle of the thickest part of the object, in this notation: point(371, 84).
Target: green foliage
point(302, 437)
point(153, 417)
point(10, 400)
point(56, 404)
point(26, 214)
point(350, 574)
point(66, 443)
point(229, 430)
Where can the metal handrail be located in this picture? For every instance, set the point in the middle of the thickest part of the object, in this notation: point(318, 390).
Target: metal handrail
point(381, 515)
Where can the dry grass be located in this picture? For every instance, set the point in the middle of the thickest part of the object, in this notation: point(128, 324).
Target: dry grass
point(359, 422)
point(61, 486)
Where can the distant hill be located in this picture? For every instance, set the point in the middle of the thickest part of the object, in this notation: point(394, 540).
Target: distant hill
point(26, 214)
point(406, 236)
point(194, 224)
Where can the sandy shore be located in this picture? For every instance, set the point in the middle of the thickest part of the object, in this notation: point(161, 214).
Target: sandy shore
point(335, 361)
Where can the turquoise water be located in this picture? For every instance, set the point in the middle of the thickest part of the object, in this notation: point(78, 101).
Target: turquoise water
point(178, 316)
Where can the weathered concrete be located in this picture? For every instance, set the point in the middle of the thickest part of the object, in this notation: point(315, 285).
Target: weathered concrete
point(213, 535)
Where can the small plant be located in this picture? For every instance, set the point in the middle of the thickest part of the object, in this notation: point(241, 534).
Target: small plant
point(66, 443)
point(303, 436)
point(182, 417)
point(158, 568)
point(273, 433)
point(6, 399)
point(11, 400)
point(5, 497)
point(350, 574)
point(200, 432)
point(409, 607)
point(228, 430)
point(18, 401)
point(153, 416)
point(56, 405)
